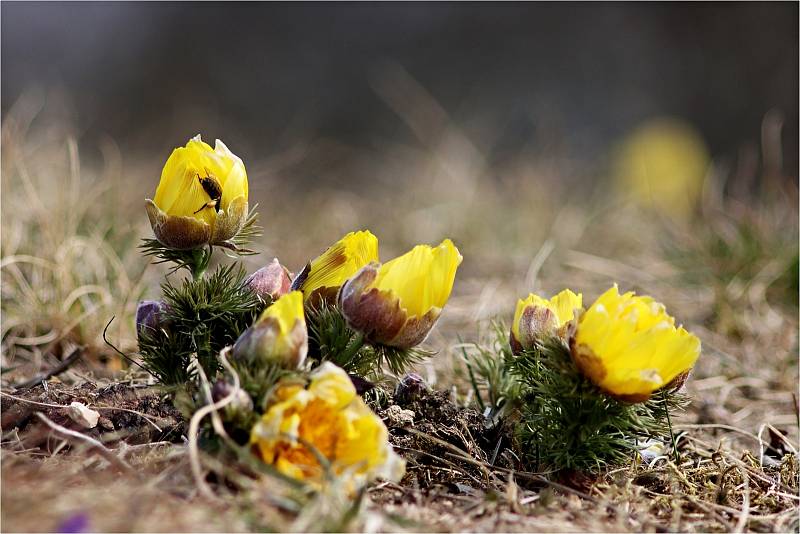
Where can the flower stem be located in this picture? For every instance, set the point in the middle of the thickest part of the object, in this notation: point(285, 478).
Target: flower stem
point(671, 433)
point(352, 350)
point(200, 260)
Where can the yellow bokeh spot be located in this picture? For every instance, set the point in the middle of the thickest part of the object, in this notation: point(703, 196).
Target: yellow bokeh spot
point(663, 164)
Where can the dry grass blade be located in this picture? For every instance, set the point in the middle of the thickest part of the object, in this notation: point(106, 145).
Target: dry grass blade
point(741, 524)
point(194, 428)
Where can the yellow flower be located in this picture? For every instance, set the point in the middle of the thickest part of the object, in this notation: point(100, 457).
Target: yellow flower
point(630, 347)
point(201, 198)
point(278, 336)
point(397, 303)
point(323, 277)
point(663, 164)
point(536, 318)
point(327, 419)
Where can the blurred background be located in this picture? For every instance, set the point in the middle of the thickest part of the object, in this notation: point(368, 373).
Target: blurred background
point(564, 79)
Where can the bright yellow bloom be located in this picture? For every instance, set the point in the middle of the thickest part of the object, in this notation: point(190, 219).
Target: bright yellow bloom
point(422, 278)
point(663, 164)
point(278, 336)
point(398, 303)
point(201, 198)
point(629, 346)
point(327, 418)
point(325, 274)
point(537, 317)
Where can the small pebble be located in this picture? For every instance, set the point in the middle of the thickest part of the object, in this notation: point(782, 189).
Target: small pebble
point(398, 417)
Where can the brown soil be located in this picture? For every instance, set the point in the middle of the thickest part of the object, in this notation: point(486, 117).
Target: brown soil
point(130, 413)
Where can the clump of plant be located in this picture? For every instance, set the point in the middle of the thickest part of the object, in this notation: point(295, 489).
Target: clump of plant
point(586, 387)
point(277, 361)
point(366, 316)
point(201, 203)
point(274, 359)
point(66, 261)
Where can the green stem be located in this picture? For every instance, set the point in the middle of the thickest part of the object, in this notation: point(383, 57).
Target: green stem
point(671, 433)
point(201, 258)
point(352, 350)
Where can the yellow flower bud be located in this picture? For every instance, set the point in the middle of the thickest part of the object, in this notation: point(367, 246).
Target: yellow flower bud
point(278, 336)
point(630, 347)
point(536, 318)
point(201, 198)
point(327, 419)
point(270, 282)
point(322, 278)
point(397, 303)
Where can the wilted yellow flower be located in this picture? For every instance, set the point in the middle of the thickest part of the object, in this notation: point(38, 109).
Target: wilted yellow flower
point(278, 336)
point(397, 303)
point(327, 419)
point(323, 277)
point(663, 164)
point(630, 347)
point(536, 318)
point(201, 198)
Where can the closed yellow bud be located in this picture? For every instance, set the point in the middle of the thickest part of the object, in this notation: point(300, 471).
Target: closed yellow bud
point(278, 336)
point(322, 278)
point(536, 318)
point(397, 303)
point(630, 347)
point(201, 198)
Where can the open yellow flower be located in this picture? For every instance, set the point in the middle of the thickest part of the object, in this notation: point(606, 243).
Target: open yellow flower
point(397, 303)
point(630, 347)
point(322, 278)
point(278, 336)
point(201, 198)
point(536, 318)
point(330, 420)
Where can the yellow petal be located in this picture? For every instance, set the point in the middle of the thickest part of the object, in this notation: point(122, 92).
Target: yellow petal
point(333, 385)
point(279, 336)
point(564, 305)
point(326, 419)
point(180, 192)
point(341, 261)
point(234, 181)
point(288, 310)
point(421, 279)
point(635, 342)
